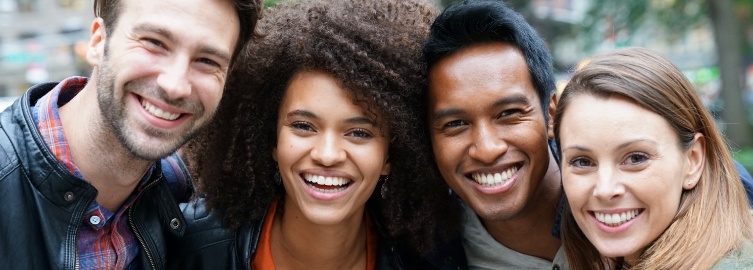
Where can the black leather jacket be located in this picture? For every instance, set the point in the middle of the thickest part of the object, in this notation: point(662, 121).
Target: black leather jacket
point(42, 203)
point(208, 245)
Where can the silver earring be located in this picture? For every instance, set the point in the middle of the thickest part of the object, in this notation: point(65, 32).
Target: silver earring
point(383, 190)
point(278, 178)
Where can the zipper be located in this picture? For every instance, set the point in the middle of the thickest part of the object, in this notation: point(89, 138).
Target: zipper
point(136, 232)
point(77, 264)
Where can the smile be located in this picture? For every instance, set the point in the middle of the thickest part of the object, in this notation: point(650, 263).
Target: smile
point(493, 179)
point(326, 184)
point(616, 219)
point(151, 109)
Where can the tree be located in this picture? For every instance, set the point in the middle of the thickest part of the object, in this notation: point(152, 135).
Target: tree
point(678, 16)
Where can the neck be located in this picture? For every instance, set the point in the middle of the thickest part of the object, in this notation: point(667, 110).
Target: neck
point(97, 152)
point(300, 244)
point(530, 232)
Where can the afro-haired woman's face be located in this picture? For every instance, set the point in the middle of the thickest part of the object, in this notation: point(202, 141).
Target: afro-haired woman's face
point(330, 154)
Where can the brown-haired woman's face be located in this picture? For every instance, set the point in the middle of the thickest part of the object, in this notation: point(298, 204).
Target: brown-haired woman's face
point(330, 154)
point(623, 171)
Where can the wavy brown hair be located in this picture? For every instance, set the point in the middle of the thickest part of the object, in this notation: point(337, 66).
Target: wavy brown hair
point(713, 218)
point(373, 48)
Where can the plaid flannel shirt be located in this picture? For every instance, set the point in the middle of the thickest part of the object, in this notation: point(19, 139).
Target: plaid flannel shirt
point(104, 240)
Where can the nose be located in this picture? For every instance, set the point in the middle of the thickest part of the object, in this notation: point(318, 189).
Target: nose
point(328, 151)
point(487, 144)
point(173, 78)
point(608, 185)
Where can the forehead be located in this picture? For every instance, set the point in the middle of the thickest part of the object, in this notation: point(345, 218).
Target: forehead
point(318, 89)
point(495, 69)
point(605, 122)
point(213, 21)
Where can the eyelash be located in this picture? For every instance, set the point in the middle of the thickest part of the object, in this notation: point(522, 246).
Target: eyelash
point(573, 162)
point(453, 124)
point(363, 133)
point(644, 157)
point(509, 112)
point(303, 126)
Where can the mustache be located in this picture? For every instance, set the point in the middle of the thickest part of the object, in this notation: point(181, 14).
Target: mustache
point(145, 89)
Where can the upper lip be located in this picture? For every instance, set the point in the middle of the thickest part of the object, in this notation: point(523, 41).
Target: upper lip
point(327, 173)
point(161, 105)
point(499, 168)
point(616, 210)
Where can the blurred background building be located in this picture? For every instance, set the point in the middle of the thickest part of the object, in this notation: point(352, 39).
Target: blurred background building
point(41, 40)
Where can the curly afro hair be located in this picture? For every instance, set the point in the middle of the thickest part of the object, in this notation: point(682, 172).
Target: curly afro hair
point(373, 48)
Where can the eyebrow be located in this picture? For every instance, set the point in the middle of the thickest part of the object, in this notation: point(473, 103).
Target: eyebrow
point(515, 99)
point(302, 113)
point(360, 120)
point(619, 147)
point(353, 120)
point(204, 47)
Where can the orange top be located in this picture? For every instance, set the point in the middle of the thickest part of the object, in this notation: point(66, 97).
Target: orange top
point(263, 257)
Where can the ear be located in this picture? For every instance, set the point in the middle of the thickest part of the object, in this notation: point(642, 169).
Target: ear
point(695, 159)
point(386, 167)
point(552, 109)
point(274, 153)
point(96, 47)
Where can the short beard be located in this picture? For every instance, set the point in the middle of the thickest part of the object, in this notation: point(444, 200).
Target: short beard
point(115, 123)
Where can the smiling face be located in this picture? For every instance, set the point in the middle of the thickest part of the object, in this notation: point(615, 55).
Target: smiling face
point(330, 154)
point(488, 130)
point(623, 170)
point(159, 81)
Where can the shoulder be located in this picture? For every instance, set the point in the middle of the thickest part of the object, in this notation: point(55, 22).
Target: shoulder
point(8, 157)
point(206, 242)
point(740, 258)
point(177, 177)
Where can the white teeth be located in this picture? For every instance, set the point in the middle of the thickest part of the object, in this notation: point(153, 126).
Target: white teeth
point(616, 219)
point(157, 112)
point(340, 184)
point(492, 179)
point(325, 181)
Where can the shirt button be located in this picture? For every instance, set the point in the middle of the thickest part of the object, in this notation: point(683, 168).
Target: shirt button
point(95, 220)
point(69, 196)
point(556, 267)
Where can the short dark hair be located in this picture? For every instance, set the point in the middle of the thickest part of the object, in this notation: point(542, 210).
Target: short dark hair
point(249, 12)
point(373, 48)
point(475, 22)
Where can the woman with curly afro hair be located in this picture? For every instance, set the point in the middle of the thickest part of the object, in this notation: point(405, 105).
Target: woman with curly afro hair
point(318, 157)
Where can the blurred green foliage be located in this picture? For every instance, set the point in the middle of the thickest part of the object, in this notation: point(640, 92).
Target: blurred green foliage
point(269, 3)
point(745, 157)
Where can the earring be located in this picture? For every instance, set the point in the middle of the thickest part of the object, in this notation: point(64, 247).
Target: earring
point(278, 177)
point(689, 184)
point(384, 179)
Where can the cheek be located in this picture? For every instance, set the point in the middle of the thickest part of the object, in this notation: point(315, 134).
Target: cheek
point(576, 189)
point(289, 149)
point(445, 148)
point(209, 91)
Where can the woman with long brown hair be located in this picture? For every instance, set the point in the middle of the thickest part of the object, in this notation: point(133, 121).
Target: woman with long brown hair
point(650, 182)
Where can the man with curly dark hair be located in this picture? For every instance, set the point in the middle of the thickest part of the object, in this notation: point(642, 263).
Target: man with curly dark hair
point(318, 157)
point(87, 172)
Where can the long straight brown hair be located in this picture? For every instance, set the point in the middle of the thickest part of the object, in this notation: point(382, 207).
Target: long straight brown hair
point(713, 218)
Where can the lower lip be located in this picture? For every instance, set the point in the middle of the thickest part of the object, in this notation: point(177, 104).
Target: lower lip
point(156, 121)
point(496, 189)
point(616, 229)
point(329, 196)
